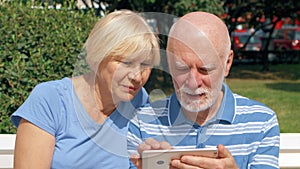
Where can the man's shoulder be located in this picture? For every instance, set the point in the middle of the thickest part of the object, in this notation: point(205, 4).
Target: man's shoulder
point(160, 103)
point(154, 113)
point(242, 101)
point(252, 110)
point(154, 108)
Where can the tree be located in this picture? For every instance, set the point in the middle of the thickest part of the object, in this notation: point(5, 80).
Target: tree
point(172, 9)
point(261, 14)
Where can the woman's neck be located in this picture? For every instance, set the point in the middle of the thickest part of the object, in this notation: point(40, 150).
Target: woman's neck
point(96, 99)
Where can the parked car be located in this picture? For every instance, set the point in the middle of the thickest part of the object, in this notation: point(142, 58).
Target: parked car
point(246, 52)
point(240, 39)
point(286, 45)
point(287, 39)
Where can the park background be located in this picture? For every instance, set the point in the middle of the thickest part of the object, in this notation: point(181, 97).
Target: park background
point(42, 41)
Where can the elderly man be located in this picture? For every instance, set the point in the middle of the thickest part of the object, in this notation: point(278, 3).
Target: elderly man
point(203, 112)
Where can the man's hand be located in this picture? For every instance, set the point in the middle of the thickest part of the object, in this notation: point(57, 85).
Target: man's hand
point(225, 160)
point(149, 144)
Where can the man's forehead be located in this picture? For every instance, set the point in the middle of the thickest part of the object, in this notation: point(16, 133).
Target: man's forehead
point(179, 49)
point(191, 39)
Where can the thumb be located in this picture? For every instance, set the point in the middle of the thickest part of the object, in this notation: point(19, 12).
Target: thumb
point(223, 152)
point(136, 160)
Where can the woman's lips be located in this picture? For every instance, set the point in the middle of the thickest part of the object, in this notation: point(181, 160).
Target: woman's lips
point(130, 89)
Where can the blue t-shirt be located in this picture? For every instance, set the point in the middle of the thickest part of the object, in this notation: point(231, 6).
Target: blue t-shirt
point(81, 143)
point(246, 127)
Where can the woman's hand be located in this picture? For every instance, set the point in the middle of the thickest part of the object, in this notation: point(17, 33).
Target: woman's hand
point(149, 144)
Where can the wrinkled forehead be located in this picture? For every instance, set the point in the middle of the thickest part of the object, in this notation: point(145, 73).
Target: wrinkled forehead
point(187, 38)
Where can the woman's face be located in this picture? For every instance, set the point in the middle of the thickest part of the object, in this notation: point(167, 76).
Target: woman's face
point(124, 76)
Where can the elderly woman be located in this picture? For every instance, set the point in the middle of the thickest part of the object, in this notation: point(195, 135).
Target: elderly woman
point(82, 122)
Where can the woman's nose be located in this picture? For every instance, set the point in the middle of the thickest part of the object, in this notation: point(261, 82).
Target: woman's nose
point(135, 74)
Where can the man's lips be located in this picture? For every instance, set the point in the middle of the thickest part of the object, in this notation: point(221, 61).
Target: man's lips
point(194, 94)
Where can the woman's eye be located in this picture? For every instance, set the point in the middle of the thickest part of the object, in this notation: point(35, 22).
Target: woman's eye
point(146, 64)
point(126, 62)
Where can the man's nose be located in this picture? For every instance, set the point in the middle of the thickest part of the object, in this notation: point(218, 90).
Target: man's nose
point(194, 80)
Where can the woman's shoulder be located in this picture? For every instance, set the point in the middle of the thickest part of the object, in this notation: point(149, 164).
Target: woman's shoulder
point(52, 87)
point(42, 105)
point(64, 82)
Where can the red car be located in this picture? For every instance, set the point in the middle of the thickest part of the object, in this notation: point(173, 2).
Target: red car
point(287, 39)
point(240, 39)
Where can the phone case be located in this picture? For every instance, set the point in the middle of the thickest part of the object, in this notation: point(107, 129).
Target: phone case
point(160, 159)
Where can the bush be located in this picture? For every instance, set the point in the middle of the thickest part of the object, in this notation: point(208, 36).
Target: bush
point(36, 45)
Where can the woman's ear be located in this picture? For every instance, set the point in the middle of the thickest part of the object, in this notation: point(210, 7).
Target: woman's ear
point(228, 63)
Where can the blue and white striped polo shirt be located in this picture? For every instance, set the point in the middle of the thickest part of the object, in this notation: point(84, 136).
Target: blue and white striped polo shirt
point(249, 129)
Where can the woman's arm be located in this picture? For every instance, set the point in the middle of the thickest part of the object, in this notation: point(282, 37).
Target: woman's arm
point(34, 147)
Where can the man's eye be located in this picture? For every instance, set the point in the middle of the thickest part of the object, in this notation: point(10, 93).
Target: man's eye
point(182, 68)
point(205, 70)
point(180, 65)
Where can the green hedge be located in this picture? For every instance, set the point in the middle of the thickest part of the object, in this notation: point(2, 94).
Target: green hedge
point(36, 45)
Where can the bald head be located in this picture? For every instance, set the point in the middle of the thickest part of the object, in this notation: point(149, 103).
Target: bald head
point(199, 58)
point(201, 28)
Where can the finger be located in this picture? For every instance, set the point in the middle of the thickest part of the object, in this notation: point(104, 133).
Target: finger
point(136, 160)
point(177, 164)
point(142, 147)
point(171, 167)
point(198, 161)
point(134, 156)
point(165, 145)
point(226, 157)
point(153, 143)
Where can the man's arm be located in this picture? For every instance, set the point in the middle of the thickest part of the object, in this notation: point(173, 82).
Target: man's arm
point(265, 156)
point(267, 152)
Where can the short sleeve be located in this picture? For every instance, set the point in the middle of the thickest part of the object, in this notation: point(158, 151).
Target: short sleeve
point(41, 108)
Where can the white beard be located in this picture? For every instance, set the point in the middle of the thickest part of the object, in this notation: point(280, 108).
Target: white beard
point(205, 98)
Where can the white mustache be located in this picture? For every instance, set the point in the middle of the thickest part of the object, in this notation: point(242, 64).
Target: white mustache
point(198, 91)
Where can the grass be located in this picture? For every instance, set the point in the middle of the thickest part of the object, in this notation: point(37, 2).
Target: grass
point(278, 88)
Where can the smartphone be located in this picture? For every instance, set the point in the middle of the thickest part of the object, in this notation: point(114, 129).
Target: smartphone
point(160, 159)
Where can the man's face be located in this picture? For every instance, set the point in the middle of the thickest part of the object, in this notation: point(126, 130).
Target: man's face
point(197, 74)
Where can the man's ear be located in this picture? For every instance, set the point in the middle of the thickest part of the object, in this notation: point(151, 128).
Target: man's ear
point(228, 63)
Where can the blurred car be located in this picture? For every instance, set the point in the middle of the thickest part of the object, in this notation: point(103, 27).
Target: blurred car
point(287, 39)
point(240, 39)
point(247, 46)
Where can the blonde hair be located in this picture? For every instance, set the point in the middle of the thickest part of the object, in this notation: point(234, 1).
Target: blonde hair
point(120, 33)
